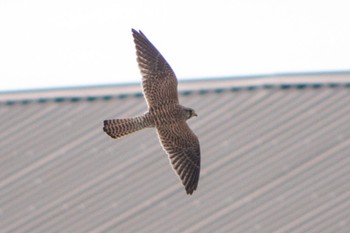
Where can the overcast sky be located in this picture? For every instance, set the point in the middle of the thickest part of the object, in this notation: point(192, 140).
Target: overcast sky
point(81, 42)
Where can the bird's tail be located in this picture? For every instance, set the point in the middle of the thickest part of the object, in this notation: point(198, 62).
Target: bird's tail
point(117, 128)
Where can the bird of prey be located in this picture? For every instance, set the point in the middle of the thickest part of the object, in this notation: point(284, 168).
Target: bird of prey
point(164, 113)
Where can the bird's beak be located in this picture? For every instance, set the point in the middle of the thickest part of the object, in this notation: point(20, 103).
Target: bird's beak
point(195, 114)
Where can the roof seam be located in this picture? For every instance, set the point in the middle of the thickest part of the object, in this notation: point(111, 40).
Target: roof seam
point(184, 93)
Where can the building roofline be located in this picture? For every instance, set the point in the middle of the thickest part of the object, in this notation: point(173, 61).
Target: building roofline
point(283, 80)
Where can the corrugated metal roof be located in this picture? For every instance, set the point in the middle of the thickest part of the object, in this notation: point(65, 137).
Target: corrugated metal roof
point(275, 158)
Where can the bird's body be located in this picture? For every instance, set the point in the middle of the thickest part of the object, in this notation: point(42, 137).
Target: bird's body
point(157, 117)
point(164, 113)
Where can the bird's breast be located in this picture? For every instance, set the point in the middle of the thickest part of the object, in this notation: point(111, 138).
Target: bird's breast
point(165, 115)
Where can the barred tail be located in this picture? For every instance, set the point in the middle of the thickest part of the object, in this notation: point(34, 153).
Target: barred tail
point(117, 128)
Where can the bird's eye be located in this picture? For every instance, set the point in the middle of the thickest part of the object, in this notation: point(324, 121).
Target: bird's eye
point(190, 113)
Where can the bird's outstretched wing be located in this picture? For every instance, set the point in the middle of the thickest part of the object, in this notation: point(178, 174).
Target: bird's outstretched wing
point(158, 79)
point(182, 146)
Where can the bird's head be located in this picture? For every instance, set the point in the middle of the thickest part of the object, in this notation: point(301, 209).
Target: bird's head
point(189, 113)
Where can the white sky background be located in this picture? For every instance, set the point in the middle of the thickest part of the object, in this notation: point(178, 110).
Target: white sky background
point(80, 42)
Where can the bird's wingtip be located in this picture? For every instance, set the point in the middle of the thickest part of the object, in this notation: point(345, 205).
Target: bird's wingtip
point(136, 32)
point(190, 191)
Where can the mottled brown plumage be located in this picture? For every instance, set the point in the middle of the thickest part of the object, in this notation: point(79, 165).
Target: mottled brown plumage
point(164, 113)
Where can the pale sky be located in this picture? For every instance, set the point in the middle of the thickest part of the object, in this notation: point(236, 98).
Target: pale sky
point(80, 42)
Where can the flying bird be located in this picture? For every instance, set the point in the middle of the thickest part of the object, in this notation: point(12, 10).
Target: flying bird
point(164, 113)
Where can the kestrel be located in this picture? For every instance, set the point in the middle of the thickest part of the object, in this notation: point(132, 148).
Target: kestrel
point(164, 113)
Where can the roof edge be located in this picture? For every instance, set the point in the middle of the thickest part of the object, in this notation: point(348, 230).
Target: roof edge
point(243, 82)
